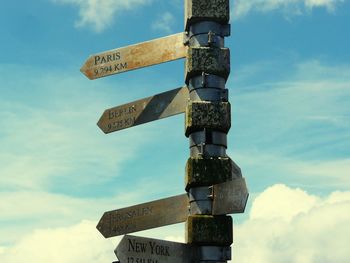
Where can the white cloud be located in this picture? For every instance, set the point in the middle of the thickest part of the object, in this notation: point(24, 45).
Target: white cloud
point(291, 226)
point(278, 208)
point(100, 14)
point(48, 210)
point(80, 242)
point(289, 7)
point(164, 22)
point(285, 225)
point(77, 243)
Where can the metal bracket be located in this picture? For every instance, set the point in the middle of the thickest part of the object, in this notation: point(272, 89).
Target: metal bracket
point(186, 38)
point(200, 200)
point(207, 34)
point(204, 79)
point(209, 94)
point(201, 149)
point(224, 95)
point(213, 253)
point(207, 40)
point(208, 137)
point(202, 193)
point(206, 26)
point(211, 38)
point(211, 192)
point(210, 80)
point(226, 30)
point(208, 150)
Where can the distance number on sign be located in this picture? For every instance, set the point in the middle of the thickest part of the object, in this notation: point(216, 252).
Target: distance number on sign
point(102, 70)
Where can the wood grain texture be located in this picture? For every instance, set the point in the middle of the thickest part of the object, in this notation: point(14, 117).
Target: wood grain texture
point(135, 56)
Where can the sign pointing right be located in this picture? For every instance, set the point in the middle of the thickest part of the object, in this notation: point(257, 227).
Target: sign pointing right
point(230, 197)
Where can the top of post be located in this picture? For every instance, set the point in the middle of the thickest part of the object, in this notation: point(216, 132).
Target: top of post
point(206, 10)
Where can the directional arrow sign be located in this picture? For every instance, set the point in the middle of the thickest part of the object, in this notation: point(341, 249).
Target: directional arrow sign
point(133, 249)
point(145, 110)
point(135, 56)
point(158, 213)
point(230, 197)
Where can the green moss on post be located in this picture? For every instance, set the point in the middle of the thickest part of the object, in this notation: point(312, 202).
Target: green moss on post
point(206, 10)
point(209, 230)
point(210, 171)
point(209, 60)
point(209, 115)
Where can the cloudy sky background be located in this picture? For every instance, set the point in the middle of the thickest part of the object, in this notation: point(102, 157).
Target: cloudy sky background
point(289, 90)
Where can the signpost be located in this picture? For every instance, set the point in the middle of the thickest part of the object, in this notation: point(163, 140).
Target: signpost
point(145, 110)
point(214, 184)
point(134, 249)
point(135, 56)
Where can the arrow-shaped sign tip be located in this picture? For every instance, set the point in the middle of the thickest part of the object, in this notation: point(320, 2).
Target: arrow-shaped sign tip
point(100, 228)
point(85, 70)
point(118, 247)
point(100, 125)
point(245, 202)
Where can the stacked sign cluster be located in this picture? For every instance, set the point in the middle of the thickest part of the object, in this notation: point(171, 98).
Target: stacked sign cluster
point(214, 183)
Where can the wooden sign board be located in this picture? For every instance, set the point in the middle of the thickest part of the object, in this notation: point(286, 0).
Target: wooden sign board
point(159, 106)
point(144, 216)
point(230, 197)
point(134, 249)
point(135, 56)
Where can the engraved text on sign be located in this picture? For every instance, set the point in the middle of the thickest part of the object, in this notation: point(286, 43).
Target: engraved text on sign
point(134, 249)
point(153, 108)
point(135, 56)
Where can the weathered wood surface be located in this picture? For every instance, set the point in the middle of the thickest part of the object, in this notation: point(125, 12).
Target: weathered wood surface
point(153, 108)
point(135, 56)
point(144, 216)
point(230, 197)
point(135, 249)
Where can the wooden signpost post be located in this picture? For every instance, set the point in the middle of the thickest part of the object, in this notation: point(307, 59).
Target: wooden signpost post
point(213, 182)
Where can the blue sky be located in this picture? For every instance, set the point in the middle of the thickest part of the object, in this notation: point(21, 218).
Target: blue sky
point(289, 89)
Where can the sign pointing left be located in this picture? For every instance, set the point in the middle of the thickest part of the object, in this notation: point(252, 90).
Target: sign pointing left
point(153, 108)
point(144, 216)
point(132, 249)
point(135, 56)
